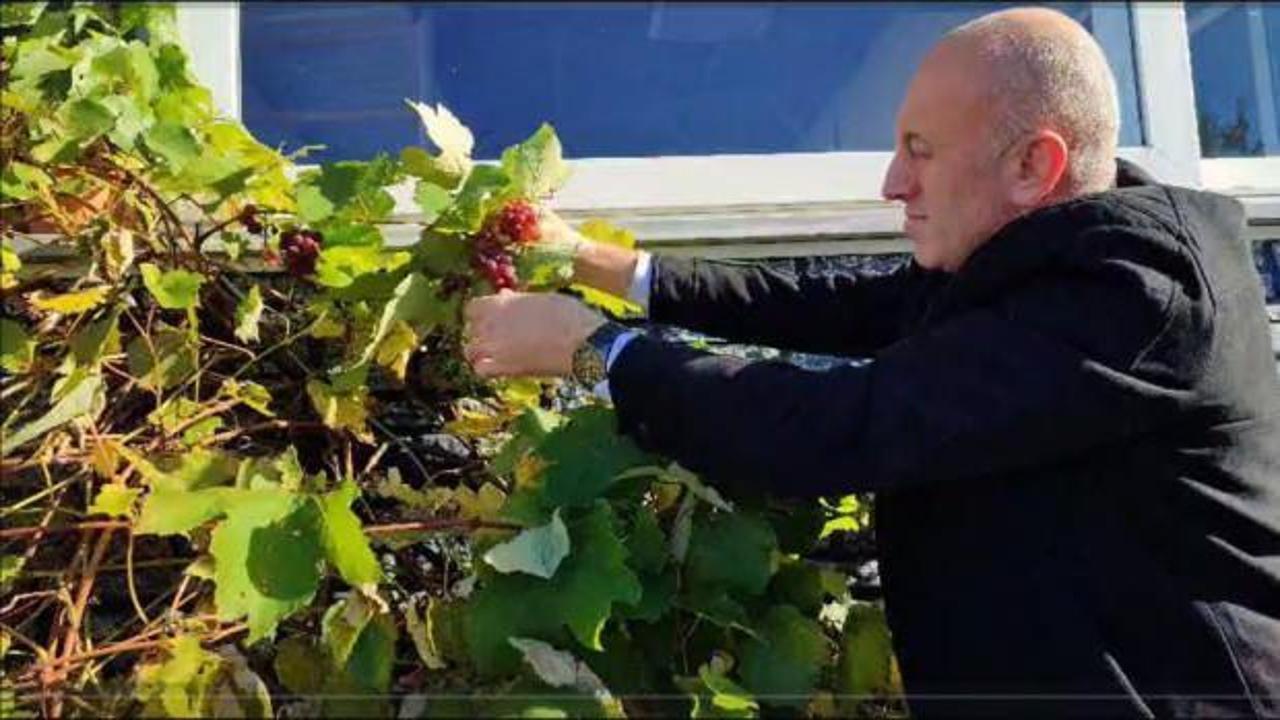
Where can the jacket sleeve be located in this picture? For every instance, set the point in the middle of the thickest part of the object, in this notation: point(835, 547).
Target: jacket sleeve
point(1050, 372)
point(785, 307)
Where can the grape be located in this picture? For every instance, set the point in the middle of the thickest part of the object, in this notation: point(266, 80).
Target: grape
point(518, 221)
point(250, 220)
point(301, 249)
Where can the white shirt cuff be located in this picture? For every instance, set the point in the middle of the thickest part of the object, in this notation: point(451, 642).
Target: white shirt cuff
point(601, 390)
point(641, 279)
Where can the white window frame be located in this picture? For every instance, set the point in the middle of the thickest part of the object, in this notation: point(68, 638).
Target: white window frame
point(794, 203)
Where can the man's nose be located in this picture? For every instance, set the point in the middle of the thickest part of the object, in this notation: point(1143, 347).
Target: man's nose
point(898, 182)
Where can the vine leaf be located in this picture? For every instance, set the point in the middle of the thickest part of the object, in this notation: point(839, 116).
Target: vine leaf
point(194, 682)
point(735, 552)
point(867, 665)
point(115, 500)
point(267, 559)
point(72, 303)
point(177, 512)
point(602, 231)
point(560, 669)
point(453, 138)
point(585, 457)
point(173, 289)
point(17, 348)
point(84, 397)
point(341, 407)
point(536, 166)
point(536, 551)
point(345, 543)
point(786, 659)
point(248, 313)
point(578, 597)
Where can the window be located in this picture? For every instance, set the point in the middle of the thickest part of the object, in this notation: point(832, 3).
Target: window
point(1235, 58)
point(693, 124)
point(617, 80)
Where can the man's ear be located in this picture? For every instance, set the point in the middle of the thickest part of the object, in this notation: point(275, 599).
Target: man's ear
point(1040, 169)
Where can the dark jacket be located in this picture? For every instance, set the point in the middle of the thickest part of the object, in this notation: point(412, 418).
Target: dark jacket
point(1075, 441)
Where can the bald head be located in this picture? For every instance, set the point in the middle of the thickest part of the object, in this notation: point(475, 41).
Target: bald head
point(1041, 69)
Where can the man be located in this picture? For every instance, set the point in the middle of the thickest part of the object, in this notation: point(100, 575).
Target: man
point(1072, 420)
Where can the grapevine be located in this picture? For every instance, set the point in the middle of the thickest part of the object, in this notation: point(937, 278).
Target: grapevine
point(246, 471)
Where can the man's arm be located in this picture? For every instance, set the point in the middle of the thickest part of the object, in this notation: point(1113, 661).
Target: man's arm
point(754, 303)
point(997, 389)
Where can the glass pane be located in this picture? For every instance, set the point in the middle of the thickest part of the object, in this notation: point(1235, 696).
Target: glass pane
point(1235, 61)
point(617, 80)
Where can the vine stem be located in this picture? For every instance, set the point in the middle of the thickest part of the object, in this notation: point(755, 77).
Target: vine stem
point(442, 525)
point(130, 645)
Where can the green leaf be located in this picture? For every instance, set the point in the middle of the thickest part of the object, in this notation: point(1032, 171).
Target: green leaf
point(174, 143)
point(536, 551)
point(194, 682)
point(420, 164)
point(443, 254)
point(342, 265)
point(248, 313)
point(114, 500)
point(545, 265)
point(340, 408)
point(84, 397)
point(250, 393)
point(10, 570)
point(194, 469)
point(267, 556)
point(345, 543)
point(580, 596)
point(342, 624)
point(313, 206)
point(173, 289)
point(731, 551)
point(801, 584)
point(17, 348)
point(866, 664)
point(485, 188)
point(16, 14)
point(178, 512)
point(86, 118)
point(167, 361)
point(584, 457)
point(21, 181)
point(560, 669)
point(646, 544)
point(716, 696)
point(782, 666)
point(296, 663)
point(535, 166)
point(415, 302)
point(432, 200)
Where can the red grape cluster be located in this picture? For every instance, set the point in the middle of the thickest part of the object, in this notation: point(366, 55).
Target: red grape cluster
point(491, 248)
point(250, 220)
point(301, 249)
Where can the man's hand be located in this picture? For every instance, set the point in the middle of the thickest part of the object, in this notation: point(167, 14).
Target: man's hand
point(534, 334)
point(598, 265)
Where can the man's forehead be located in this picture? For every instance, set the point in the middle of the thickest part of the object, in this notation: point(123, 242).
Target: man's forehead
point(946, 87)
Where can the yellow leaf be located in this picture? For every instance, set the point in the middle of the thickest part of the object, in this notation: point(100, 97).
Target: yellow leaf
point(473, 423)
point(341, 409)
point(117, 252)
point(71, 303)
point(483, 505)
point(602, 231)
point(519, 392)
point(328, 327)
point(105, 458)
point(528, 469)
point(395, 349)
